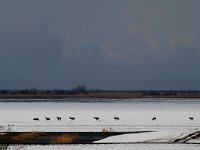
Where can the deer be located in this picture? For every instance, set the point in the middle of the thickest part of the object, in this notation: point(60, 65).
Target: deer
point(58, 118)
point(36, 119)
point(154, 118)
point(47, 119)
point(72, 118)
point(191, 118)
point(116, 118)
point(97, 118)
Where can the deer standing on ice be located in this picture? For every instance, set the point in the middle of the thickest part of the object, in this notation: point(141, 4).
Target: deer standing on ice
point(47, 119)
point(116, 118)
point(154, 118)
point(191, 118)
point(36, 119)
point(97, 118)
point(58, 118)
point(72, 118)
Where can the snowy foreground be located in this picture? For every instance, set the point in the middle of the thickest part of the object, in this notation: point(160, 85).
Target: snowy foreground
point(165, 136)
point(110, 147)
point(172, 123)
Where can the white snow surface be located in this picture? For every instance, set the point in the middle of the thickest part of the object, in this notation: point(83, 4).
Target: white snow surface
point(134, 115)
point(165, 136)
point(108, 147)
point(172, 118)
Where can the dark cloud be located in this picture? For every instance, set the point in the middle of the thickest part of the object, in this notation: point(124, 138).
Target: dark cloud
point(132, 44)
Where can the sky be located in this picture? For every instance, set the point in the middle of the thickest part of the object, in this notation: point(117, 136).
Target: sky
point(105, 44)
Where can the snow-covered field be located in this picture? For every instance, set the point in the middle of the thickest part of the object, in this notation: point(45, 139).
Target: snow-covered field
point(133, 115)
point(172, 121)
point(110, 147)
point(165, 136)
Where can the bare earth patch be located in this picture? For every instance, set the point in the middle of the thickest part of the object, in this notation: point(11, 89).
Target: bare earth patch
point(65, 139)
point(26, 136)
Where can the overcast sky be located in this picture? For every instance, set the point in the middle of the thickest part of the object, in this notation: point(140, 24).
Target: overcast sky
point(106, 44)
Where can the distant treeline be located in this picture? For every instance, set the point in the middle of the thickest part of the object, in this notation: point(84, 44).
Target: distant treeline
point(33, 91)
point(84, 90)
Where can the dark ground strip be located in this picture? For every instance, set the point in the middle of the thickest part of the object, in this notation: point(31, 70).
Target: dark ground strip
point(56, 137)
point(46, 94)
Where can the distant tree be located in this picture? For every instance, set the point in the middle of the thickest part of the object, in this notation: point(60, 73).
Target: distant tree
point(4, 91)
point(80, 89)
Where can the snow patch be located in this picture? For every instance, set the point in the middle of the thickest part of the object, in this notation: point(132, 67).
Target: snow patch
point(166, 136)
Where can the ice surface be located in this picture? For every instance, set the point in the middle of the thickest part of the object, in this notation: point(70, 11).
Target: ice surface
point(172, 121)
point(134, 115)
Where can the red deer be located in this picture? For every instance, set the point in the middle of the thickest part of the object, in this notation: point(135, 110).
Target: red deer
point(116, 118)
point(36, 119)
point(97, 118)
point(72, 118)
point(58, 118)
point(47, 119)
point(154, 118)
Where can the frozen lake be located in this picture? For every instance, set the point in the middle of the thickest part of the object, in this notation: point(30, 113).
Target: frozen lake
point(134, 114)
point(172, 121)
